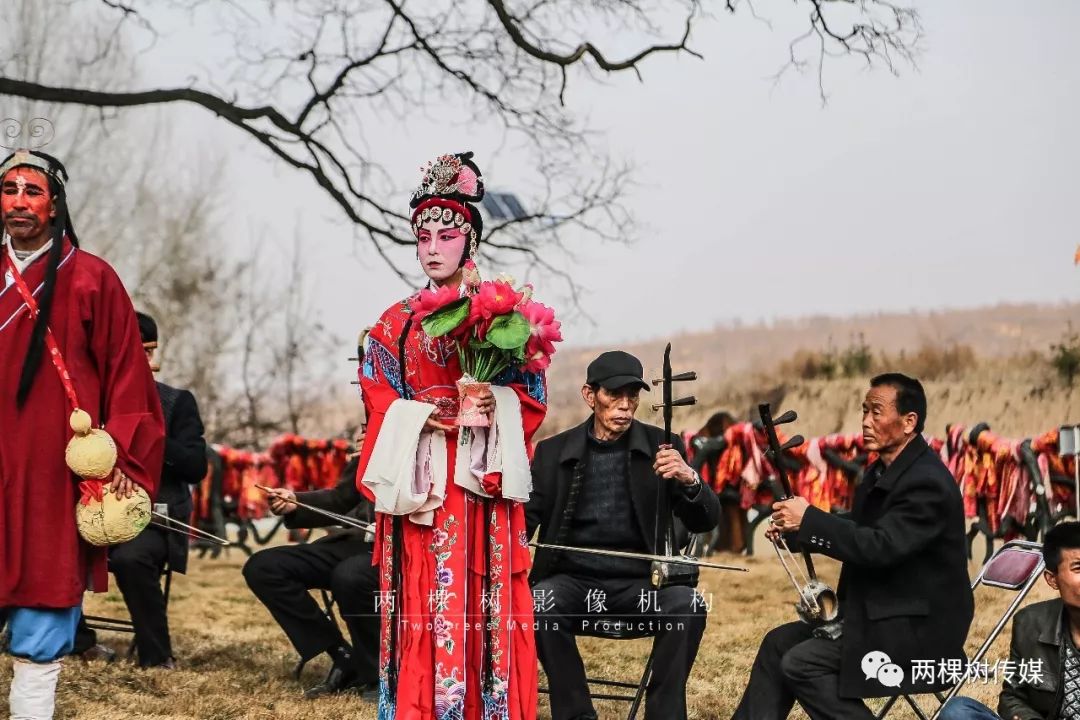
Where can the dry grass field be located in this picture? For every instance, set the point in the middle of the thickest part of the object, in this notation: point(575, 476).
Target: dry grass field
point(234, 663)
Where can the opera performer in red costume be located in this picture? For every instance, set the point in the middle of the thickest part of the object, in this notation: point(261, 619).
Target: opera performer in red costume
point(59, 307)
point(457, 610)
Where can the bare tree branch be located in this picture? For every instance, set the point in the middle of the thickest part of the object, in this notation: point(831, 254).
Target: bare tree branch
point(304, 79)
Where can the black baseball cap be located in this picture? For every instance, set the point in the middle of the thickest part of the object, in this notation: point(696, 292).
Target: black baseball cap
point(616, 369)
point(147, 328)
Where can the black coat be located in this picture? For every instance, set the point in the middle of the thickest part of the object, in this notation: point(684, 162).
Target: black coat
point(185, 464)
point(343, 499)
point(904, 587)
point(553, 467)
point(1037, 637)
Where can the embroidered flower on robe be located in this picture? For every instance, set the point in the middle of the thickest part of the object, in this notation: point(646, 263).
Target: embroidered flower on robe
point(441, 628)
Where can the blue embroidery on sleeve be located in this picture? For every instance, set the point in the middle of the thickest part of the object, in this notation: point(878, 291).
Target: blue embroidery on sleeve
point(533, 382)
point(379, 356)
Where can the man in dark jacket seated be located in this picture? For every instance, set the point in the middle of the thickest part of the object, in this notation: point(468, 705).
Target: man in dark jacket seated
point(341, 562)
point(904, 590)
point(137, 565)
point(1045, 679)
point(611, 483)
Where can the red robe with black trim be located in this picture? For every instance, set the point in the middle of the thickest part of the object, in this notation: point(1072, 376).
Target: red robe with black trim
point(440, 654)
point(44, 562)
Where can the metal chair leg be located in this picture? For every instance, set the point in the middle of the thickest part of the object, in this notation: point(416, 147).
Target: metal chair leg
point(646, 676)
point(888, 706)
point(328, 605)
point(915, 706)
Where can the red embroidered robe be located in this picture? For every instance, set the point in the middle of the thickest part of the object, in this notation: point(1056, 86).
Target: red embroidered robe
point(441, 607)
point(43, 561)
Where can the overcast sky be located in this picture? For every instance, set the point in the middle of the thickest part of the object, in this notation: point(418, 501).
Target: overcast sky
point(954, 184)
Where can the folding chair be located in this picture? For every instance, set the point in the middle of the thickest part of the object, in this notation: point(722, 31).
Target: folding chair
point(1015, 567)
point(96, 622)
point(328, 603)
point(617, 630)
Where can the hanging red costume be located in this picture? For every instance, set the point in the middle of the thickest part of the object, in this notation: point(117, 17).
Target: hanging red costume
point(43, 561)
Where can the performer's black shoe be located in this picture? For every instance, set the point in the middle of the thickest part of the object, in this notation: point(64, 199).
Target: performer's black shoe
point(99, 652)
point(368, 692)
point(340, 678)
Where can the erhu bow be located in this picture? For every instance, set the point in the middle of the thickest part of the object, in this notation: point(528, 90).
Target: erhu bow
point(336, 517)
point(818, 604)
point(168, 523)
point(661, 564)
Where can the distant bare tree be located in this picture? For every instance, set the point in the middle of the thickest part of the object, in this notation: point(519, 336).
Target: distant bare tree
point(225, 334)
point(303, 338)
point(283, 358)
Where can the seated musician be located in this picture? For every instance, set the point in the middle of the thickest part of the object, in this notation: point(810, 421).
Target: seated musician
point(1045, 678)
point(904, 589)
point(137, 565)
point(341, 562)
point(598, 485)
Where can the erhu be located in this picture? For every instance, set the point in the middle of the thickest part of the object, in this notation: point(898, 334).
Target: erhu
point(663, 572)
point(665, 567)
point(818, 604)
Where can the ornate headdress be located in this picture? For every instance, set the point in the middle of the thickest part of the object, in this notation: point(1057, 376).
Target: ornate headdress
point(450, 187)
point(37, 160)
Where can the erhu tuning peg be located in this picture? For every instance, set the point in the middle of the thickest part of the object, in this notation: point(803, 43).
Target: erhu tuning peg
point(681, 402)
point(789, 417)
point(684, 376)
point(794, 442)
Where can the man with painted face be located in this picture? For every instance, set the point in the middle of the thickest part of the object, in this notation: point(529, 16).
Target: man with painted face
point(59, 307)
point(904, 590)
point(611, 483)
point(456, 635)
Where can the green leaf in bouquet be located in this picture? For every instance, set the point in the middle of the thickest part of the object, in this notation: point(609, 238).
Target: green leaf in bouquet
point(446, 319)
point(509, 331)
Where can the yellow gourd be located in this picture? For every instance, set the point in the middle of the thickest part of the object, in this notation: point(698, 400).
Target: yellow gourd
point(113, 520)
point(91, 452)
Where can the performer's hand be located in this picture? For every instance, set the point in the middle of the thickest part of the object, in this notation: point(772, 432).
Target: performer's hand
point(772, 534)
point(670, 465)
point(431, 424)
point(485, 402)
point(788, 514)
point(121, 486)
point(282, 500)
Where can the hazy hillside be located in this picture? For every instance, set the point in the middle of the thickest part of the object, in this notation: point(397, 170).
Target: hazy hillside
point(1011, 387)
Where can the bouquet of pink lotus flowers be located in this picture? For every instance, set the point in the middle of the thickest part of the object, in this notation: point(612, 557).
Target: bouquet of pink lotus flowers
point(495, 326)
